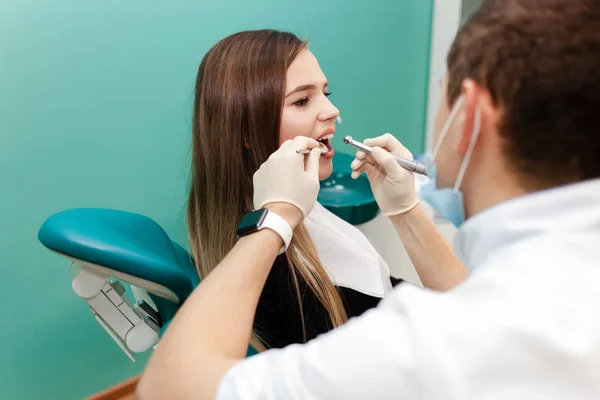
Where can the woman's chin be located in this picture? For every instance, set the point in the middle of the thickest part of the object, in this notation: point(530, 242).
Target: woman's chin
point(325, 170)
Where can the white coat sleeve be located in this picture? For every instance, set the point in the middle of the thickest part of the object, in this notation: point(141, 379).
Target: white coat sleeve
point(371, 356)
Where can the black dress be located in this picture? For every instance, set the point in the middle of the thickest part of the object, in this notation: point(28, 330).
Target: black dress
point(278, 320)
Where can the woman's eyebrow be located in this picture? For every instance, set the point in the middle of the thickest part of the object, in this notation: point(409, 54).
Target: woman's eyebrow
point(305, 87)
point(301, 88)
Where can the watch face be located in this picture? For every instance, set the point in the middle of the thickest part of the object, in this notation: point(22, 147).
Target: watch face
point(251, 222)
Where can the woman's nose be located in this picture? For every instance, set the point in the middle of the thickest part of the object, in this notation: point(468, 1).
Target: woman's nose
point(329, 111)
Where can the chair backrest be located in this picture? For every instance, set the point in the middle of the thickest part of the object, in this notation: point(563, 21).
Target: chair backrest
point(128, 243)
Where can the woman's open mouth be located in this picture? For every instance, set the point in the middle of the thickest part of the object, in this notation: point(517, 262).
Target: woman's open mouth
point(326, 141)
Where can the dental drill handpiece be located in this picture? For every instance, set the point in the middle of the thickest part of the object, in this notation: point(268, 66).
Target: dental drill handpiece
point(405, 163)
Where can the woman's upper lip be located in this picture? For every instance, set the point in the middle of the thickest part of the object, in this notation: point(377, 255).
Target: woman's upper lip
point(326, 132)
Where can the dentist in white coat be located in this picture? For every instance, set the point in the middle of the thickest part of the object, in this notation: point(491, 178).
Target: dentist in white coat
point(517, 155)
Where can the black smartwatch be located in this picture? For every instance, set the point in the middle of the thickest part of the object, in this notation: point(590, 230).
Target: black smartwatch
point(265, 219)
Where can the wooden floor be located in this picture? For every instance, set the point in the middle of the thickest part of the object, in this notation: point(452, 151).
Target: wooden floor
point(122, 391)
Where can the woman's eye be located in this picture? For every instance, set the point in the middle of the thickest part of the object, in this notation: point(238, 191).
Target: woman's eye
point(302, 102)
point(327, 94)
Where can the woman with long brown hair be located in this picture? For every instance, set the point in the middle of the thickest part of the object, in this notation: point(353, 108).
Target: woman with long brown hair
point(255, 90)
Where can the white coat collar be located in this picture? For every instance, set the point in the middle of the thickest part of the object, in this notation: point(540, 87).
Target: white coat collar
point(574, 207)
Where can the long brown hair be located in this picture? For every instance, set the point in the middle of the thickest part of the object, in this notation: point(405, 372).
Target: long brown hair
point(237, 115)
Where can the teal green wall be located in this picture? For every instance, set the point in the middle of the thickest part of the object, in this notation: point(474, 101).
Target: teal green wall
point(95, 102)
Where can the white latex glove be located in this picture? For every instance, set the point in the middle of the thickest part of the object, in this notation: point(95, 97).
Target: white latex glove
point(289, 177)
point(392, 185)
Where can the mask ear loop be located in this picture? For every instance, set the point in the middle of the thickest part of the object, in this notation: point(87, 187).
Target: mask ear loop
point(465, 164)
point(446, 127)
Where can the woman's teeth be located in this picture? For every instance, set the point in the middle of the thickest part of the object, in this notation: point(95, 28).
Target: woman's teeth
point(326, 137)
point(324, 143)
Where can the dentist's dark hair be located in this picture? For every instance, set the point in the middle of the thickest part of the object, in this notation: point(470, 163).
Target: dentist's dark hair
point(237, 116)
point(540, 62)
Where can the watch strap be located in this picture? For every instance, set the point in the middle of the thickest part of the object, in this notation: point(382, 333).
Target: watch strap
point(280, 226)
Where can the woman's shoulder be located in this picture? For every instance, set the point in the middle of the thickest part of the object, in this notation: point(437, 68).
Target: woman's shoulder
point(278, 319)
point(347, 254)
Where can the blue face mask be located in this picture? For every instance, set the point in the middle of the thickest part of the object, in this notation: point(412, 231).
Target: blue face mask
point(448, 202)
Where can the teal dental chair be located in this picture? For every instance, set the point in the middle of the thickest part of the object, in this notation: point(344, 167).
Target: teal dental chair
point(350, 199)
point(106, 244)
point(107, 247)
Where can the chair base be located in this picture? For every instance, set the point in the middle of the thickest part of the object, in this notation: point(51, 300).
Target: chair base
point(134, 327)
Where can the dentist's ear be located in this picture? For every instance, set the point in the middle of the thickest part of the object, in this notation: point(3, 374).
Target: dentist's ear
point(472, 93)
point(477, 97)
